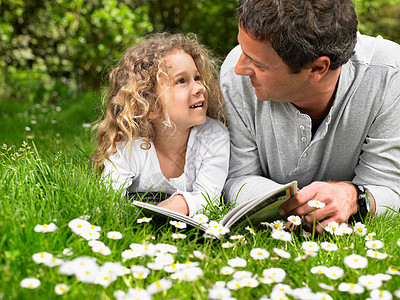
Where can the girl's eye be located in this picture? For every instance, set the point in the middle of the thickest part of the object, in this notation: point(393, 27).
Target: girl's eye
point(197, 78)
point(180, 81)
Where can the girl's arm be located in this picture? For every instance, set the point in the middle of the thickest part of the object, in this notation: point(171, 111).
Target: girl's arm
point(120, 168)
point(211, 173)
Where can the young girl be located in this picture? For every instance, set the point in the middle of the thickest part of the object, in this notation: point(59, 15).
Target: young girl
point(162, 130)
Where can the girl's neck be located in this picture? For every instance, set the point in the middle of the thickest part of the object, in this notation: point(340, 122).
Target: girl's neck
point(171, 151)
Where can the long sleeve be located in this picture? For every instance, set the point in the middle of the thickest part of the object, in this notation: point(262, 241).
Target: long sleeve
point(209, 160)
point(120, 169)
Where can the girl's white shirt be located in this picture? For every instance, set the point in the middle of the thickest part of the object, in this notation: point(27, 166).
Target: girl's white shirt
point(205, 171)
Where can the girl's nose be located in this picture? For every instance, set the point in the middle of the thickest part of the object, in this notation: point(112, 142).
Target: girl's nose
point(199, 88)
point(243, 66)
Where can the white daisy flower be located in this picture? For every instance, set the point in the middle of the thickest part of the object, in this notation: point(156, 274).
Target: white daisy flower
point(296, 220)
point(216, 229)
point(334, 272)
point(87, 273)
point(188, 274)
point(30, 283)
point(281, 235)
point(178, 224)
point(327, 246)
point(104, 278)
point(242, 274)
point(159, 286)
point(370, 236)
point(250, 282)
point(143, 220)
point(95, 227)
point(281, 253)
point(332, 227)
point(198, 254)
point(226, 270)
point(166, 248)
point(219, 293)
point(316, 204)
point(380, 294)
point(360, 229)
point(68, 252)
point(132, 253)
point(319, 270)
point(178, 236)
point(383, 277)
point(228, 245)
point(237, 262)
point(356, 261)
point(149, 249)
point(259, 253)
point(285, 288)
point(251, 230)
point(374, 244)
point(237, 237)
point(79, 225)
point(376, 254)
point(42, 257)
point(277, 225)
point(370, 282)
point(274, 274)
point(103, 250)
point(234, 284)
point(164, 259)
point(54, 262)
point(90, 234)
point(326, 286)
point(114, 235)
point(311, 246)
point(140, 272)
point(351, 288)
point(202, 219)
point(45, 228)
point(393, 271)
point(61, 288)
point(116, 268)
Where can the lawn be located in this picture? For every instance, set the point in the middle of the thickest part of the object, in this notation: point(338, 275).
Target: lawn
point(63, 233)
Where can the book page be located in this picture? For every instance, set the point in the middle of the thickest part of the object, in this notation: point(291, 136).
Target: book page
point(153, 210)
point(262, 209)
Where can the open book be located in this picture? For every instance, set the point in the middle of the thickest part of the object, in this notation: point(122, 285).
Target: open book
point(253, 211)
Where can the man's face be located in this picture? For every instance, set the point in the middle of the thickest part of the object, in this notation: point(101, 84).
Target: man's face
point(269, 75)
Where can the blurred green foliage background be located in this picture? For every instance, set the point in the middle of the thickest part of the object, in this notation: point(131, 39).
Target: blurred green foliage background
point(53, 50)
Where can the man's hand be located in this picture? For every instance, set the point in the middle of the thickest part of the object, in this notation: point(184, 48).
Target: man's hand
point(340, 200)
point(176, 203)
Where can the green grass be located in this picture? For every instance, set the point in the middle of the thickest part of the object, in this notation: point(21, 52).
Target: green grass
point(48, 179)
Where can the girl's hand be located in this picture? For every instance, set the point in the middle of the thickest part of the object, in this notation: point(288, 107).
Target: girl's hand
point(176, 203)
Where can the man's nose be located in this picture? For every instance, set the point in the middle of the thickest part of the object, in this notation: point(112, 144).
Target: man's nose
point(243, 66)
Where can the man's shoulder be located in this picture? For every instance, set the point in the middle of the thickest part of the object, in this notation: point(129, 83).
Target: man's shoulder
point(230, 61)
point(377, 51)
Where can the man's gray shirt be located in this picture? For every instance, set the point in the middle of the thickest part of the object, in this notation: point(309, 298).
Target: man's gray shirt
point(359, 140)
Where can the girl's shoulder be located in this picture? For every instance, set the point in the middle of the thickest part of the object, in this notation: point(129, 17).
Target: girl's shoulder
point(134, 147)
point(212, 128)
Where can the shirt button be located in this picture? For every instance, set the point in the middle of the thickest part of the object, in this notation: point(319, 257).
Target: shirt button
point(302, 127)
point(303, 138)
point(304, 155)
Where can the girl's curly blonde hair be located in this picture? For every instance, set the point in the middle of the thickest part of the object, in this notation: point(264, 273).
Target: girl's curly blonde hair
point(133, 91)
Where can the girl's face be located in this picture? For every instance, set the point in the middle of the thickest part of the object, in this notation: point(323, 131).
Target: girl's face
point(187, 97)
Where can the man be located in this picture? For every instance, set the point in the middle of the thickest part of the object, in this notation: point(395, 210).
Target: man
point(312, 100)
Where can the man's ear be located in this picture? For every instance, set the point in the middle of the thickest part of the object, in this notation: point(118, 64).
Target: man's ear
point(319, 67)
